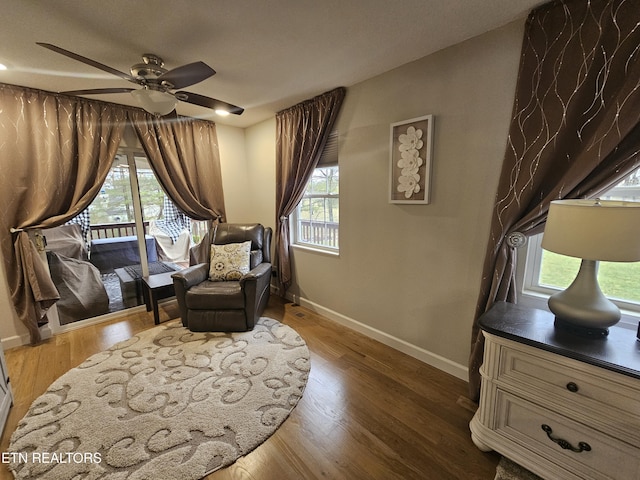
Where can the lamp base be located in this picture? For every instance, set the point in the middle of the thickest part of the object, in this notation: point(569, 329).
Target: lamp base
point(582, 307)
point(580, 331)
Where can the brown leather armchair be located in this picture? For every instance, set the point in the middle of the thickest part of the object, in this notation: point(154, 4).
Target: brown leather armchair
point(230, 305)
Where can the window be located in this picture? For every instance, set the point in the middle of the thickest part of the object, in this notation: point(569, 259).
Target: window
point(115, 203)
point(544, 273)
point(114, 210)
point(316, 219)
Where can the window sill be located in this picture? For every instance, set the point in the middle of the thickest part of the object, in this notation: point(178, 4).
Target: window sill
point(309, 248)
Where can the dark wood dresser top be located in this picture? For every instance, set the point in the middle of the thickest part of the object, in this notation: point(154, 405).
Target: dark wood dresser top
point(619, 351)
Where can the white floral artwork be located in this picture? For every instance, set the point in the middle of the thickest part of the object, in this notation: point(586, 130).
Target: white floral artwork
point(410, 160)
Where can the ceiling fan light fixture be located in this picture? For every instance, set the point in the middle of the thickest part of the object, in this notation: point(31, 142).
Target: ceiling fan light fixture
point(156, 96)
point(155, 102)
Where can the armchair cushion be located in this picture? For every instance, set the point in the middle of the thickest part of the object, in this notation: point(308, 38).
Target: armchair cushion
point(229, 262)
point(215, 296)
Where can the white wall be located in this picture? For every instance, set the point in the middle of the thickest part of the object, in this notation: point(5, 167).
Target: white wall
point(247, 162)
point(261, 155)
point(233, 166)
point(409, 275)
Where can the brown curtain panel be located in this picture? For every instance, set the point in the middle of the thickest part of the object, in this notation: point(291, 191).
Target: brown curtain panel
point(184, 155)
point(55, 153)
point(575, 130)
point(301, 134)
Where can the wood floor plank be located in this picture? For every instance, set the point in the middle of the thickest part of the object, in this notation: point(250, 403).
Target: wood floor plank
point(368, 411)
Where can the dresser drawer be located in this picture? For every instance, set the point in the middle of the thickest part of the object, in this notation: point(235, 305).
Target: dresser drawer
point(602, 457)
point(606, 400)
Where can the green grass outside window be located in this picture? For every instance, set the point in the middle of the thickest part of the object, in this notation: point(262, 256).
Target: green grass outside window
point(617, 279)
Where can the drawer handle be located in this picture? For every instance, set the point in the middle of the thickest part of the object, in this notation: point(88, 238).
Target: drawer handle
point(582, 446)
point(572, 387)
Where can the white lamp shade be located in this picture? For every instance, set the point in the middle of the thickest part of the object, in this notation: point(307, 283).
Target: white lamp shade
point(602, 230)
point(154, 101)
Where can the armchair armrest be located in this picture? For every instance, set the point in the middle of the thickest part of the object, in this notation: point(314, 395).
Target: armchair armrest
point(257, 273)
point(184, 280)
point(192, 276)
point(256, 285)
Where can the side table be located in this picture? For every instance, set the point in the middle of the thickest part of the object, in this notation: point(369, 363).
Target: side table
point(157, 287)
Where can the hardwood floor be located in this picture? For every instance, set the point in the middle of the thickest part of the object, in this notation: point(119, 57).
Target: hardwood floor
point(368, 411)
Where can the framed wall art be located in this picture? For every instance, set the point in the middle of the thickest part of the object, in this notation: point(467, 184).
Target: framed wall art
point(410, 160)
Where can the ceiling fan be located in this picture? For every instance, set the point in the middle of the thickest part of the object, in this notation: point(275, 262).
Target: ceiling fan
point(157, 95)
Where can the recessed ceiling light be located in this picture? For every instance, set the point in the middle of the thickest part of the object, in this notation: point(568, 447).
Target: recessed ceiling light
point(3, 66)
point(222, 113)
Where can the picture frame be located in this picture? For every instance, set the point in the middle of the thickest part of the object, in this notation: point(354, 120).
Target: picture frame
point(410, 160)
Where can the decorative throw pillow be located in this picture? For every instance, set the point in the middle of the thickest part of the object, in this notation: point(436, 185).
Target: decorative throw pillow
point(230, 261)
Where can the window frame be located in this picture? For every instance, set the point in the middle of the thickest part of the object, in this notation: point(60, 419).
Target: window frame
point(295, 220)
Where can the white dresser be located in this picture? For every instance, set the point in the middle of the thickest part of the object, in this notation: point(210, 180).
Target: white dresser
point(561, 406)
point(6, 396)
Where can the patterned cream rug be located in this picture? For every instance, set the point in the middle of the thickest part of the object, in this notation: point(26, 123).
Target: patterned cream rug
point(508, 470)
point(167, 403)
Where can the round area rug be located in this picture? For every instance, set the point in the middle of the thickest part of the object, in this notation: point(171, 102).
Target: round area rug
point(165, 404)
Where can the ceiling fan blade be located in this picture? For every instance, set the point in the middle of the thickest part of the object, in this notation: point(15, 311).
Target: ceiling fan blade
point(99, 91)
point(88, 61)
point(187, 75)
point(208, 102)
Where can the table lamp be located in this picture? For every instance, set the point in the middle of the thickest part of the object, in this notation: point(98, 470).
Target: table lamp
point(593, 230)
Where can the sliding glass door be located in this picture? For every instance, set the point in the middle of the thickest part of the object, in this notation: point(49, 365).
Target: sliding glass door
point(120, 247)
point(130, 230)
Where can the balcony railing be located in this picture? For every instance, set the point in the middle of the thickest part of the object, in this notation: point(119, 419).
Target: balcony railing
point(114, 230)
point(319, 233)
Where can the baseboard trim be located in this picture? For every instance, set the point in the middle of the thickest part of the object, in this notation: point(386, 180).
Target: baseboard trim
point(15, 341)
point(425, 356)
point(46, 332)
point(25, 339)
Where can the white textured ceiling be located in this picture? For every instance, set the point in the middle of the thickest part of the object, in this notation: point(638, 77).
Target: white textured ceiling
point(268, 54)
